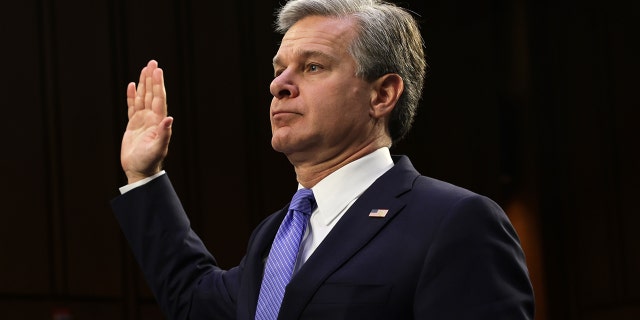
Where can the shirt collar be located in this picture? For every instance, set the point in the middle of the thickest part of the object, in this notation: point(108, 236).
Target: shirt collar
point(341, 188)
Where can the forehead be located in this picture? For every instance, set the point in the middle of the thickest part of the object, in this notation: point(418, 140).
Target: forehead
point(331, 36)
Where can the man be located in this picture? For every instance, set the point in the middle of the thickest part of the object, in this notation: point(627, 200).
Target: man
point(381, 242)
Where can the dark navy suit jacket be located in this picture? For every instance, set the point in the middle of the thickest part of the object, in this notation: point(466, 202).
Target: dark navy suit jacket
point(441, 252)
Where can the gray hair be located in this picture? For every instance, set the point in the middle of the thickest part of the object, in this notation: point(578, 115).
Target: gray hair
point(388, 41)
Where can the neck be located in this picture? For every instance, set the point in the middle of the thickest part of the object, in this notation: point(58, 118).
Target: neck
point(309, 174)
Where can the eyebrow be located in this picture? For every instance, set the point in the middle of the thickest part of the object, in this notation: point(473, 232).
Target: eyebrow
point(305, 54)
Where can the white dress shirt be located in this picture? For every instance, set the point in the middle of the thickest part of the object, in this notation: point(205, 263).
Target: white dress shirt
point(336, 193)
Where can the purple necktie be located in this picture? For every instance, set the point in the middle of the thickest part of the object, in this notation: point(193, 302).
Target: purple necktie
point(283, 255)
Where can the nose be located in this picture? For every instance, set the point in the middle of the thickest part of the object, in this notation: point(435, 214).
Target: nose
point(283, 86)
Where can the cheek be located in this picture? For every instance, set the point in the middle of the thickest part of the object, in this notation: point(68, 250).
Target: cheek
point(331, 106)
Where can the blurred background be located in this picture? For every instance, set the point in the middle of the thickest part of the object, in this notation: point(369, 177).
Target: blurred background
point(532, 103)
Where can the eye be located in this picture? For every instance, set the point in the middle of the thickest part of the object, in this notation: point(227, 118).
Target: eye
point(313, 67)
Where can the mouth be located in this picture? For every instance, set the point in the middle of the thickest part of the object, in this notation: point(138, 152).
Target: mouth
point(282, 118)
point(282, 113)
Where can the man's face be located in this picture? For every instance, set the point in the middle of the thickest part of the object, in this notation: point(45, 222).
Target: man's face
point(320, 109)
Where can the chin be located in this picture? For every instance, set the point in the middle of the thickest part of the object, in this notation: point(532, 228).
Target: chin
point(276, 145)
point(280, 139)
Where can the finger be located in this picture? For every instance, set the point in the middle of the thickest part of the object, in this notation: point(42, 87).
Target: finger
point(131, 99)
point(164, 133)
point(159, 103)
point(139, 98)
point(152, 64)
point(148, 95)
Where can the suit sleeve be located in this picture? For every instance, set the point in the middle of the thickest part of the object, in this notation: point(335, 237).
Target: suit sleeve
point(475, 268)
point(173, 259)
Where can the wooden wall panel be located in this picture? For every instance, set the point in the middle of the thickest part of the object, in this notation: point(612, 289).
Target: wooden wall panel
point(584, 66)
point(94, 310)
point(87, 148)
point(213, 87)
point(26, 309)
point(149, 311)
point(25, 240)
point(588, 124)
point(458, 119)
point(40, 309)
point(149, 30)
point(624, 69)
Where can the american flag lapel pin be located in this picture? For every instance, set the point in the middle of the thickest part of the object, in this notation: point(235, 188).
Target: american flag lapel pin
point(378, 213)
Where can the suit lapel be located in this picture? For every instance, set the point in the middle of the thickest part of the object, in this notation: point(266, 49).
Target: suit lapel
point(254, 267)
point(354, 230)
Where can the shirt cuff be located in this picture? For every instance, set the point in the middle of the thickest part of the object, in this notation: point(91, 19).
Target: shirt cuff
point(131, 186)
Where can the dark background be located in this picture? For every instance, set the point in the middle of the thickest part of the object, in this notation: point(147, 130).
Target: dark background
point(530, 102)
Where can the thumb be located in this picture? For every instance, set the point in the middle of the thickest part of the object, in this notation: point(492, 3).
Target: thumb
point(167, 122)
point(164, 129)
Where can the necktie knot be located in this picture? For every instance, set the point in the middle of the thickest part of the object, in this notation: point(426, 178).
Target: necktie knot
point(303, 201)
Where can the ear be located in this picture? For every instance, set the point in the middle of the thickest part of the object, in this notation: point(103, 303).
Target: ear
point(386, 91)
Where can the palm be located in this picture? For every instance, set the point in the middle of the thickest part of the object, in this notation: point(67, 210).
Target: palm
point(146, 139)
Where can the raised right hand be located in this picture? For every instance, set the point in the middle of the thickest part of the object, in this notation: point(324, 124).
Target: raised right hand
point(146, 140)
